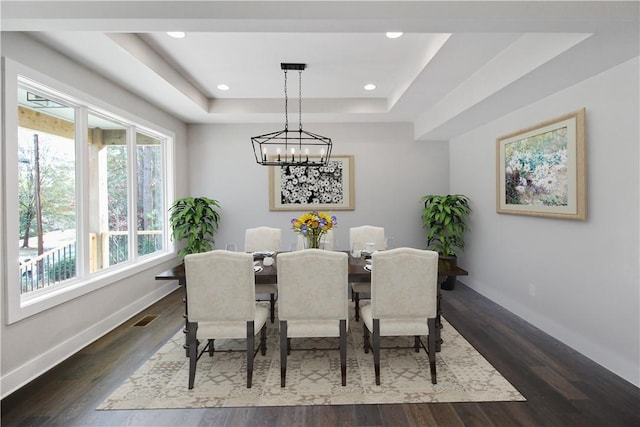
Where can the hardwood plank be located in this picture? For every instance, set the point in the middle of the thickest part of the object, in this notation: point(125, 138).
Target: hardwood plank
point(214, 417)
point(445, 414)
point(393, 415)
point(291, 416)
point(516, 414)
point(367, 415)
point(419, 415)
point(472, 415)
point(556, 380)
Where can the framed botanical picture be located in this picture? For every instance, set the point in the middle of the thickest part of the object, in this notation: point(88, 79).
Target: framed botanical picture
point(295, 188)
point(541, 170)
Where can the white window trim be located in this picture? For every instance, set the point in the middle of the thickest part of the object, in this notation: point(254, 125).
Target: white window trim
point(18, 307)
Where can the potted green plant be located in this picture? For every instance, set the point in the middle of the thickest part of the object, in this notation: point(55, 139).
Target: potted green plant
point(445, 218)
point(196, 220)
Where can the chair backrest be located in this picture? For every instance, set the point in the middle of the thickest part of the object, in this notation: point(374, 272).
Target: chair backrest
point(367, 234)
point(220, 286)
point(312, 284)
point(404, 283)
point(328, 241)
point(262, 239)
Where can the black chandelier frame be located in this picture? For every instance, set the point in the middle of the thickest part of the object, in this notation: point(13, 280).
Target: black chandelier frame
point(292, 147)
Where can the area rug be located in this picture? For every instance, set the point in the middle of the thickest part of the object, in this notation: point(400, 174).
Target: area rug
point(313, 375)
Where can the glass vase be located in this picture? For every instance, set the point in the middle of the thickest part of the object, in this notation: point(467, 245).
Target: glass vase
point(312, 241)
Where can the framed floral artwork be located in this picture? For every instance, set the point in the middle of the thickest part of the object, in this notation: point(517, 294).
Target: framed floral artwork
point(331, 187)
point(541, 170)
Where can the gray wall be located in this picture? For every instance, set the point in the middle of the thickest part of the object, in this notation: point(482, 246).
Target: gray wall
point(392, 172)
point(35, 344)
point(585, 274)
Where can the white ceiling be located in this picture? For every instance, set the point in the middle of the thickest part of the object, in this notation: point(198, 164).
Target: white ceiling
point(458, 65)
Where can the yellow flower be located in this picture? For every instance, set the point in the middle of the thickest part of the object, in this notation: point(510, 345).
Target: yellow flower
point(314, 223)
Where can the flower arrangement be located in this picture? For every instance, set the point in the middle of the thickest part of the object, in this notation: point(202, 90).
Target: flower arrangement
point(313, 225)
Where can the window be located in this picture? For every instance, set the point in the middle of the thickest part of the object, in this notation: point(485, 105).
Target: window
point(109, 202)
point(46, 191)
point(150, 186)
point(91, 196)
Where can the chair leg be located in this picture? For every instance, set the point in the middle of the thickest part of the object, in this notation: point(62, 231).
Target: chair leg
point(416, 343)
point(272, 301)
point(263, 340)
point(283, 352)
point(288, 345)
point(365, 342)
point(356, 296)
point(193, 352)
point(250, 347)
point(431, 345)
point(343, 351)
point(212, 347)
point(376, 349)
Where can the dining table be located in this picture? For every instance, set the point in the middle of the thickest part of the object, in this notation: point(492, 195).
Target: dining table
point(268, 274)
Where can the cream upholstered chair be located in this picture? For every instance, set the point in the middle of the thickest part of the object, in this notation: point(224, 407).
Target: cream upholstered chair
point(264, 239)
point(221, 304)
point(359, 237)
point(312, 300)
point(327, 242)
point(404, 295)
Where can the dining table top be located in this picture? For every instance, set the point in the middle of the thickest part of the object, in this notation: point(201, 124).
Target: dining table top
point(357, 272)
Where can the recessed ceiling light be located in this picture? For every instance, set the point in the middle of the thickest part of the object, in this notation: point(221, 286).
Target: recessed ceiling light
point(369, 86)
point(394, 34)
point(223, 87)
point(176, 34)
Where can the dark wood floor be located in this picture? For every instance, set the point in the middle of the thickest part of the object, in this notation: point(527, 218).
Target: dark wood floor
point(562, 387)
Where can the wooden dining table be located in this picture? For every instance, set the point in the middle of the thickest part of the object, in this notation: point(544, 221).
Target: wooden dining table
point(357, 273)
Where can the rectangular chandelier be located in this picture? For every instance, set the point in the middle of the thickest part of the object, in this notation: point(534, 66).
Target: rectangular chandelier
point(292, 147)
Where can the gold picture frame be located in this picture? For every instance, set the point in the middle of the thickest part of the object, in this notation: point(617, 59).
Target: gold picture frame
point(298, 188)
point(541, 170)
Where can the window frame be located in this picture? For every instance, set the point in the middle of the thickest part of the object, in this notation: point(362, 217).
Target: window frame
point(19, 306)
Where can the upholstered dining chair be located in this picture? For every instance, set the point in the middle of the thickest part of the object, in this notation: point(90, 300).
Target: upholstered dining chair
point(312, 300)
point(404, 295)
point(221, 304)
point(359, 237)
point(328, 241)
point(264, 239)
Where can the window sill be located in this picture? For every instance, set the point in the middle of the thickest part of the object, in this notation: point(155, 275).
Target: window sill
point(30, 305)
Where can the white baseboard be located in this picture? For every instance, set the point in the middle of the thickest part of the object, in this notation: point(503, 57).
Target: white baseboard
point(51, 357)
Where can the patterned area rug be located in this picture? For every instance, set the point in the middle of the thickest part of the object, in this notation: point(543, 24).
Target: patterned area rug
point(313, 376)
